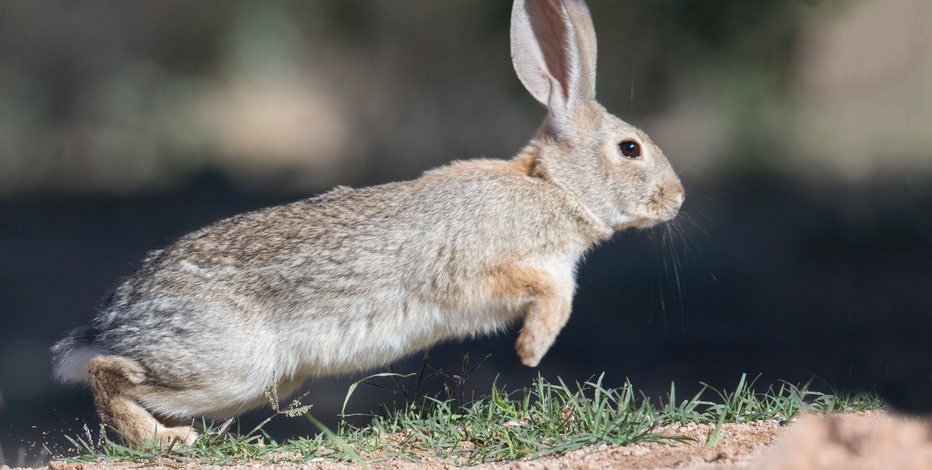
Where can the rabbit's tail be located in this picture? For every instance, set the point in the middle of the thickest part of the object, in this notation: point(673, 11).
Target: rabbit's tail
point(71, 355)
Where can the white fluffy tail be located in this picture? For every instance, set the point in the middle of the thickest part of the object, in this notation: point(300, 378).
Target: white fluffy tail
point(71, 355)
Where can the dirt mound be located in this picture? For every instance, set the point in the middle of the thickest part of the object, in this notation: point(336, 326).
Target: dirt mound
point(860, 441)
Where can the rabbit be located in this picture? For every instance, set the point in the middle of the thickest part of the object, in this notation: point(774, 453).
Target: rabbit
point(356, 278)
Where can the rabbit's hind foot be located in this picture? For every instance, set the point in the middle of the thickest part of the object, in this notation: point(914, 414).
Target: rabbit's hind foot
point(113, 380)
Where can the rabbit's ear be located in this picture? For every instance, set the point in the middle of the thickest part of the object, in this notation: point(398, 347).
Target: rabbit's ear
point(553, 50)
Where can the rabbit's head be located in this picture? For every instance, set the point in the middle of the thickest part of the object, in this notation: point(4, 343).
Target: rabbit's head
point(610, 166)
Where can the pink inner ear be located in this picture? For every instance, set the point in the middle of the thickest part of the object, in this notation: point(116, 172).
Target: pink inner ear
point(551, 31)
point(544, 52)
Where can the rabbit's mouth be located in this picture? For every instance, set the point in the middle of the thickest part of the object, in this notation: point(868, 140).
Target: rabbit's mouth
point(646, 222)
point(663, 206)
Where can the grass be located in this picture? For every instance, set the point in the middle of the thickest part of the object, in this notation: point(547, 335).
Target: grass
point(541, 419)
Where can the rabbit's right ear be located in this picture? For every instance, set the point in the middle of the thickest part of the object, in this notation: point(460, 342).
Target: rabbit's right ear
point(553, 49)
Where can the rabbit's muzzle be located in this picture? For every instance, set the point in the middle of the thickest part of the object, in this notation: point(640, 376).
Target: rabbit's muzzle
point(664, 203)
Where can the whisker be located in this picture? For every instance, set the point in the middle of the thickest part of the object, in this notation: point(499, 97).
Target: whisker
point(693, 165)
point(660, 276)
point(694, 255)
point(675, 261)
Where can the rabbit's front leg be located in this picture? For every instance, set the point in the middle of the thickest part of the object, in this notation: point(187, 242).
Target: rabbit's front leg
point(550, 297)
point(542, 323)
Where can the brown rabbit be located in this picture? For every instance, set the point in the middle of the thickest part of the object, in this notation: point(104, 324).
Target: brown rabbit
point(357, 278)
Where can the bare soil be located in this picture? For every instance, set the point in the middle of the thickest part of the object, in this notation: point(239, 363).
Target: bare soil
point(867, 440)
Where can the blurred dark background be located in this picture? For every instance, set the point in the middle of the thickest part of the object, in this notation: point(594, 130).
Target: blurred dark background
point(802, 131)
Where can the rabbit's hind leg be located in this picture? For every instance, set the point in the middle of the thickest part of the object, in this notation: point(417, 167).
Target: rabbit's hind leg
point(114, 381)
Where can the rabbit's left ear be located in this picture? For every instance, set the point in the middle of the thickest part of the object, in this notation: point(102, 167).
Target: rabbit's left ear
point(553, 49)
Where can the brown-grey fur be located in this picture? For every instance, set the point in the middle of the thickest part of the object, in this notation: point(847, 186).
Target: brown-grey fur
point(356, 278)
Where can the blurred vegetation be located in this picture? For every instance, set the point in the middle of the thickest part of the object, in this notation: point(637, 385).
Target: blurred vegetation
point(801, 130)
point(298, 96)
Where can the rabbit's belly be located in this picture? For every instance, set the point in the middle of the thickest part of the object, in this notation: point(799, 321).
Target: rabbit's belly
point(393, 336)
point(241, 383)
point(286, 357)
point(238, 380)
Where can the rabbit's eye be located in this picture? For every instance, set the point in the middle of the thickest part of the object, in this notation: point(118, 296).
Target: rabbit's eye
point(630, 149)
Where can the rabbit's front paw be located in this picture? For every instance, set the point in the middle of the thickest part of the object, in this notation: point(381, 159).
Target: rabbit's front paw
point(544, 320)
point(531, 349)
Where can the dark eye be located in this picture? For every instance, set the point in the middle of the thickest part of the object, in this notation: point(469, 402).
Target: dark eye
point(630, 149)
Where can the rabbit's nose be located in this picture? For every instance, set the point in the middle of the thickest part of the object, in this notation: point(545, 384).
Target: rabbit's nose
point(679, 194)
point(672, 194)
